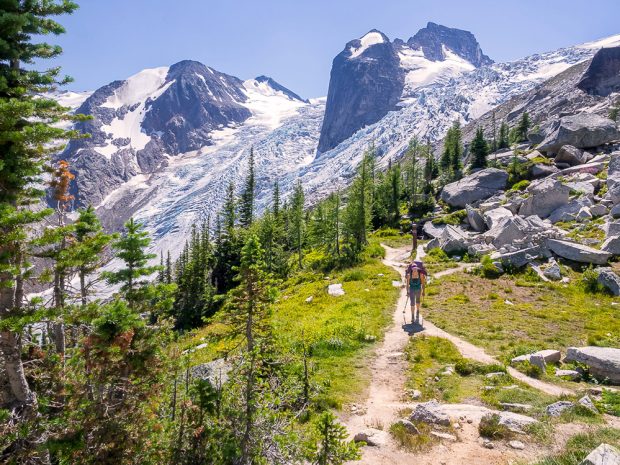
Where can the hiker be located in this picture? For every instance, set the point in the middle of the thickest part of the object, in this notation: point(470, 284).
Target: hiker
point(415, 278)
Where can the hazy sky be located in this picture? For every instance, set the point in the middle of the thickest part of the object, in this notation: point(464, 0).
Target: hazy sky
point(294, 41)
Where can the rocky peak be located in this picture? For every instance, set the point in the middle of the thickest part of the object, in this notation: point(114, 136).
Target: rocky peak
point(603, 74)
point(367, 44)
point(279, 88)
point(434, 39)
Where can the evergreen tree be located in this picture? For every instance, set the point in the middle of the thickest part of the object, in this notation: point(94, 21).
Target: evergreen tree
point(522, 127)
point(333, 447)
point(28, 137)
point(504, 136)
point(456, 150)
point(246, 209)
point(227, 245)
point(131, 249)
point(297, 222)
point(479, 150)
point(493, 145)
point(358, 212)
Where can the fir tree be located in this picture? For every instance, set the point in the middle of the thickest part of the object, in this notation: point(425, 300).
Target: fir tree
point(297, 223)
point(28, 137)
point(456, 150)
point(504, 136)
point(333, 447)
point(131, 249)
point(522, 127)
point(246, 209)
point(358, 213)
point(479, 149)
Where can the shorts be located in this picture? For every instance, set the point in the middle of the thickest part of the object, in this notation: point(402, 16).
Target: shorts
point(415, 295)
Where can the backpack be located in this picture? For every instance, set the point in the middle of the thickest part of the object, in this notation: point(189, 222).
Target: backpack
point(415, 279)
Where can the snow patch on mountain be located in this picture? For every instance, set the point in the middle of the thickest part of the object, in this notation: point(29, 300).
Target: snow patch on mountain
point(370, 39)
point(138, 88)
point(269, 106)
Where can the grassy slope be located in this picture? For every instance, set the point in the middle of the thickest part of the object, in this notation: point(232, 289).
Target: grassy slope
point(339, 331)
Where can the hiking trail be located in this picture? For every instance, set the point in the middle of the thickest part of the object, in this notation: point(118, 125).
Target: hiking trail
point(387, 396)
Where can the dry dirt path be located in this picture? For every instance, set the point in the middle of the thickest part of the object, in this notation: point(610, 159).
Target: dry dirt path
point(387, 397)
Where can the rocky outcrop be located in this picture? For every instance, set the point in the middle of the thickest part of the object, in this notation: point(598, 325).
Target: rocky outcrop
point(603, 74)
point(431, 413)
point(475, 187)
point(578, 252)
point(545, 196)
point(363, 88)
point(603, 362)
point(583, 130)
point(434, 39)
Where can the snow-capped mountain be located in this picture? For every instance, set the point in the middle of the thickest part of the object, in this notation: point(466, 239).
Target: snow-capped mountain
point(166, 142)
point(372, 75)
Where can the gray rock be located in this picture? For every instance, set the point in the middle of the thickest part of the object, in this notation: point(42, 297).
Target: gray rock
point(542, 170)
point(516, 445)
point(612, 245)
point(538, 361)
point(557, 408)
point(603, 455)
point(613, 178)
point(493, 217)
point(570, 155)
point(569, 211)
point(453, 240)
point(586, 402)
point(515, 407)
point(507, 230)
point(615, 211)
point(516, 422)
point(545, 196)
point(599, 210)
point(553, 271)
point(573, 375)
point(594, 167)
point(583, 130)
point(519, 258)
point(475, 219)
point(372, 437)
point(216, 372)
point(612, 228)
point(431, 413)
point(410, 427)
point(475, 187)
point(584, 214)
point(603, 362)
point(536, 135)
point(432, 230)
point(610, 280)
point(577, 252)
point(440, 435)
point(335, 290)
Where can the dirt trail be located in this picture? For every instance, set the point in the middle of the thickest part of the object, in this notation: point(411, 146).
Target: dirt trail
point(387, 397)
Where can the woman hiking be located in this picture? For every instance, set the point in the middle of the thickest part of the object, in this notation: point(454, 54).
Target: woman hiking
point(415, 278)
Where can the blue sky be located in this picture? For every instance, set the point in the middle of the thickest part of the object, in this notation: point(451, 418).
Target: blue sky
point(295, 41)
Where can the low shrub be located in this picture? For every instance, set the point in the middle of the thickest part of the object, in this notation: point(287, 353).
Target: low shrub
point(589, 281)
point(437, 255)
point(453, 219)
point(388, 232)
point(490, 427)
point(520, 186)
point(488, 269)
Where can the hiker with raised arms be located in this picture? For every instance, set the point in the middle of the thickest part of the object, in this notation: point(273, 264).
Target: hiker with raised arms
point(415, 280)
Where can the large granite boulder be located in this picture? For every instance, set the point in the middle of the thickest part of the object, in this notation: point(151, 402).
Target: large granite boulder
point(603, 362)
point(433, 230)
point(584, 130)
point(578, 252)
point(475, 187)
point(475, 219)
point(542, 170)
point(603, 74)
point(602, 455)
point(612, 245)
point(570, 155)
point(216, 372)
point(507, 230)
point(520, 258)
point(453, 240)
point(610, 280)
point(545, 196)
point(493, 217)
point(613, 178)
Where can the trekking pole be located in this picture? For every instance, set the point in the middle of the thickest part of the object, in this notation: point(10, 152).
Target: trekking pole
point(405, 309)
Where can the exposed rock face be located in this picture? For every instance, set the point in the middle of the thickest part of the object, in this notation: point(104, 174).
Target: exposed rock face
point(432, 230)
point(546, 196)
point(569, 211)
point(612, 245)
point(495, 216)
point(475, 219)
point(583, 130)
point(369, 76)
point(603, 455)
point(434, 38)
point(603, 362)
point(603, 75)
point(362, 88)
point(578, 252)
point(475, 187)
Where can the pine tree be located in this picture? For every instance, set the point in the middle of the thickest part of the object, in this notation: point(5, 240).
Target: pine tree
point(493, 146)
point(246, 208)
point(456, 151)
point(228, 245)
point(504, 136)
point(479, 149)
point(522, 127)
point(28, 137)
point(358, 212)
point(333, 447)
point(131, 249)
point(297, 223)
